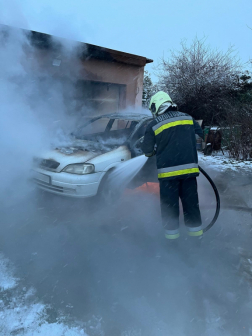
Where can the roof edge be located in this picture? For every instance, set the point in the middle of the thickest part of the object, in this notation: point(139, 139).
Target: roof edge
point(86, 51)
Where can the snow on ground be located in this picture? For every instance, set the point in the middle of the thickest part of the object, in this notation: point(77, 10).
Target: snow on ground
point(7, 281)
point(223, 162)
point(22, 314)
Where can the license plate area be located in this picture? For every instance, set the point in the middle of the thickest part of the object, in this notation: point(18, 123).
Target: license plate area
point(42, 177)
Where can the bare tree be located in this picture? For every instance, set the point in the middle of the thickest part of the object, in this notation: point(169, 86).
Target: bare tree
point(147, 89)
point(198, 78)
point(236, 128)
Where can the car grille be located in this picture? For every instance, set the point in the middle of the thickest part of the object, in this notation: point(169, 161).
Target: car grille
point(46, 164)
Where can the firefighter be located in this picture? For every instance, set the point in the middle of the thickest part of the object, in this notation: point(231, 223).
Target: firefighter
point(171, 136)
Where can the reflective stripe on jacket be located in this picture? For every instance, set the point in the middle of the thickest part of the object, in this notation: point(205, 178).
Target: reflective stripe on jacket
point(178, 170)
point(163, 125)
point(173, 135)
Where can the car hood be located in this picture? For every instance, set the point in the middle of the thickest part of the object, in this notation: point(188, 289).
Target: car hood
point(77, 152)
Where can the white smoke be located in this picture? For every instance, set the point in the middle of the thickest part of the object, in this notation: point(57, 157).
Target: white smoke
point(56, 18)
point(35, 109)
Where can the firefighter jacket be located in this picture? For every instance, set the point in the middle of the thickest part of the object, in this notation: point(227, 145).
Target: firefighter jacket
point(171, 136)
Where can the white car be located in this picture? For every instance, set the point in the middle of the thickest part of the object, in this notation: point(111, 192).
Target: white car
point(81, 168)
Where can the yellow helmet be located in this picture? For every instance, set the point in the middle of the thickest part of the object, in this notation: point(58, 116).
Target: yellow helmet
point(157, 100)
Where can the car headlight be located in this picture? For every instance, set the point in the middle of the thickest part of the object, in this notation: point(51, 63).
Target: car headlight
point(79, 168)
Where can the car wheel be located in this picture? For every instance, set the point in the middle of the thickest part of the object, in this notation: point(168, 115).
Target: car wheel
point(108, 194)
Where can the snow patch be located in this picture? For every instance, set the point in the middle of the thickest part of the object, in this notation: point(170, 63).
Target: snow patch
point(21, 314)
point(7, 281)
point(222, 162)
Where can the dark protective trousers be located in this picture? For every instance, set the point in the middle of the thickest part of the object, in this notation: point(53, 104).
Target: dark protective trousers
point(170, 192)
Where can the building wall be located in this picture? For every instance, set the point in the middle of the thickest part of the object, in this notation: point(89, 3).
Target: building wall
point(128, 77)
point(117, 73)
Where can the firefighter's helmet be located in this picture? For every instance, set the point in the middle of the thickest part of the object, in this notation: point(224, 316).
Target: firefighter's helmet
point(157, 100)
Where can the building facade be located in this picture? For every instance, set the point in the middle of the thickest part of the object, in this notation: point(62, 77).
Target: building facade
point(105, 80)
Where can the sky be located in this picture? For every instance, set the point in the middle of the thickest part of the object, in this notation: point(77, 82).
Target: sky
point(149, 28)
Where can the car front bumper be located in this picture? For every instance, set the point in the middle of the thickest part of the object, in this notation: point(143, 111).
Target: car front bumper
point(66, 184)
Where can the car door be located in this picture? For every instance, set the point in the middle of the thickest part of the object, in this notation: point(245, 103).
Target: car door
point(149, 171)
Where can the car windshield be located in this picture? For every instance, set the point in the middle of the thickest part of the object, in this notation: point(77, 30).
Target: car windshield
point(114, 131)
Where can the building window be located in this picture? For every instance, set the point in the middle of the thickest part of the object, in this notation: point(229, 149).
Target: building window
point(97, 98)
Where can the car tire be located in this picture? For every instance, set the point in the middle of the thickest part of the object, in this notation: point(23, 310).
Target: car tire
point(107, 195)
